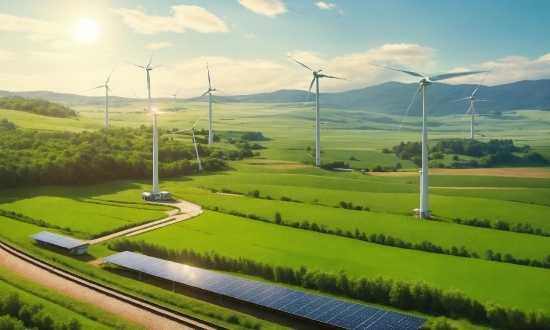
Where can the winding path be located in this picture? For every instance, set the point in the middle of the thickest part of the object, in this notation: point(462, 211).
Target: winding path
point(185, 210)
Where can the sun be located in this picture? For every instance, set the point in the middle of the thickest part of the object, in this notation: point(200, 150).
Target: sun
point(86, 30)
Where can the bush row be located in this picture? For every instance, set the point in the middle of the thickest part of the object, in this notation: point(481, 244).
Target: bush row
point(408, 295)
point(524, 228)
point(17, 314)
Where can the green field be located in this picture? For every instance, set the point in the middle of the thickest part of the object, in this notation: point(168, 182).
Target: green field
point(281, 170)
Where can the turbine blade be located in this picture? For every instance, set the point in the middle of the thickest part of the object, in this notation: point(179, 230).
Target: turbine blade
point(135, 94)
point(481, 81)
point(135, 64)
point(464, 98)
point(483, 100)
point(109, 77)
point(471, 107)
point(177, 92)
point(336, 78)
point(208, 70)
point(108, 88)
point(150, 61)
point(193, 127)
point(208, 91)
point(168, 94)
point(196, 150)
point(407, 72)
point(93, 88)
point(452, 75)
point(409, 108)
point(157, 66)
point(217, 90)
point(309, 91)
point(302, 64)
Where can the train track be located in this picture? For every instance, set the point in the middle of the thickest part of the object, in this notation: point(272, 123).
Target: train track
point(162, 311)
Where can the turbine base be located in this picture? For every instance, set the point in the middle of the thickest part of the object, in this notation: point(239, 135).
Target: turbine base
point(422, 214)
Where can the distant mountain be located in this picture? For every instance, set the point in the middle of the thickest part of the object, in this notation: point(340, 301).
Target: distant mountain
point(388, 98)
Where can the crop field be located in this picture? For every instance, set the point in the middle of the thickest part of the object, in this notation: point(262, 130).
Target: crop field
point(516, 194)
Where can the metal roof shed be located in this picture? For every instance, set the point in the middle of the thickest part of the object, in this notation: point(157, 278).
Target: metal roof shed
point(67, 244)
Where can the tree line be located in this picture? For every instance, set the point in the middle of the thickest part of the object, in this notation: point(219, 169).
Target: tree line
point(416, 295)
point(37, 106)
point(525, 228)
point(487, 154)
point(37, 158)
point(16, 314)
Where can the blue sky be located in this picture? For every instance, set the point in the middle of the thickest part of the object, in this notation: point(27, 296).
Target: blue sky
point(245, 43)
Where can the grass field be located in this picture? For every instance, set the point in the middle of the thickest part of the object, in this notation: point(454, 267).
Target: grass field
point(479, 279)
point(62, 308)
point(281, 170)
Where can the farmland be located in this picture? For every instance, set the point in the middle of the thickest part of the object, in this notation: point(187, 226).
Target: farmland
point(287, 184)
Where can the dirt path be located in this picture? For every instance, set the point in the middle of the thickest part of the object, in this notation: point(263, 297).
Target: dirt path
point(112, 305)
point(185, 210)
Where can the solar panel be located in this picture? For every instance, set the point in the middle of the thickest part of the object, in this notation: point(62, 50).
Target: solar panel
point(329, 311)
point(58, 240)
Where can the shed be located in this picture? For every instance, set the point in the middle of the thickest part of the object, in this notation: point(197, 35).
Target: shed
point(60, 242)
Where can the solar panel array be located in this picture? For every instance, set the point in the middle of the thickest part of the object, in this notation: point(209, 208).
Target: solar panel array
point(329, 311)
point(59, 240)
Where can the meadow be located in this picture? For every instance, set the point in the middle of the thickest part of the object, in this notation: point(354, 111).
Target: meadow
point(282, 170)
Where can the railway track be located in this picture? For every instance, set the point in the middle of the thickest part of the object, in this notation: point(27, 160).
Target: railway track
point(159, 310)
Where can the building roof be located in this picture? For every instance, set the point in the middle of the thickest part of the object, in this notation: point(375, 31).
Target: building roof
point(59, 240)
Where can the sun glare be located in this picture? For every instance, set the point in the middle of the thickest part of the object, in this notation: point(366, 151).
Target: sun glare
point(86, 30)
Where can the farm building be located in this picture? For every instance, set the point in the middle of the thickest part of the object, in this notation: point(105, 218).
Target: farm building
point(60, 242)
point(161, 196)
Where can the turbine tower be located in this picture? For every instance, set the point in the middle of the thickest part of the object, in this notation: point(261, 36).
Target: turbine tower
point(174, 96)
point(472, 101)
point(107, 89)
point(209, 91)
point(155, 132)
point(424, 211)
point(316, 76)
point(192, 129)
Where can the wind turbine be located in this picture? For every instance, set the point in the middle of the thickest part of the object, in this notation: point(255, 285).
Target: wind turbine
point(192, 129)
point(424, 211)
point(209, 91)
point(174, 95)
point(147, 69)
point(316, 76)
point(107, 89)
point(472, 101)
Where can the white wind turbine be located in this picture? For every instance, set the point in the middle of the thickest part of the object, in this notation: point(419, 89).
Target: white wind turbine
point(174, 96)
point(424, 211)
point(147, 69)
point(472, 101)
point(107, 89)
point(316, 76)
point(209, 91)
point(192, 129)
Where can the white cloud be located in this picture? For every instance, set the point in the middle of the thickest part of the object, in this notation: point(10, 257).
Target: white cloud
point(23, 24)
point(158, 45)
point(181, 18)
point(325, 6)
point(250, 36)
point(52, 57)
point(6, 56)
point(508, 69)
point(270, 8)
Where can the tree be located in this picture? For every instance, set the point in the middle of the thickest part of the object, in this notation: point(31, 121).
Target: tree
point(278, 218)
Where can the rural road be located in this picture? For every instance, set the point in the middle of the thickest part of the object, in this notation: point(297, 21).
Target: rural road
point(185, 210)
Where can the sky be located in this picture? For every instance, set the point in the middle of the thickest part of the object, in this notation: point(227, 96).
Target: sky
point(245, 43)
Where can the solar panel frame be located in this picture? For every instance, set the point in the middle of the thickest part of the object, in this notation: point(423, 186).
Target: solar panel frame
point(58, 240)
point(316, 308)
